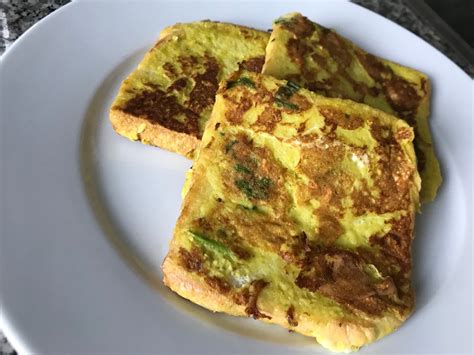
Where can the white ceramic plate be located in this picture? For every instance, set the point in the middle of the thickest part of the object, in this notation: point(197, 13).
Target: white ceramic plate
point(73, 191)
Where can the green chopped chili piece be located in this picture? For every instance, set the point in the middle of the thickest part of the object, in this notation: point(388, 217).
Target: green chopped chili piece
point(211, 244)
point(255, 187)
point(241, 81)
point(284, 93)
point(241, 168)
point(285, 104)
point(293, 86)
point(245, 187)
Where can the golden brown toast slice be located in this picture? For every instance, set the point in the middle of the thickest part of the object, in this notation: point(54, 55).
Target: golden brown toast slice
point(167, 100)
point(323, 61)
point(299, 211)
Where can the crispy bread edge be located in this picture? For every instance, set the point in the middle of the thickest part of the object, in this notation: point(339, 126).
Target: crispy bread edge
point(334, 335)
point(137, 128)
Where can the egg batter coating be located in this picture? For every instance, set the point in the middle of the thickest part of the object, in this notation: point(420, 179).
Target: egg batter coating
point(299, 211)
point(167, 100)
point(323, 61)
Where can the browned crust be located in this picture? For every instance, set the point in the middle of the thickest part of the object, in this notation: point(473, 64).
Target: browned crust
point(331, 334)
point(152, 133)
point(189, 285)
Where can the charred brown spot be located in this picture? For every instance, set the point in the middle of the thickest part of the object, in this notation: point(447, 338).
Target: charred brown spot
point(268, 119)
point(252, 64)
point(301, 128)
point(374, 67)
point(297, 51)
point(396, 282)
point(300, 26)
point(178, 85)
point(237, 108)
point(335, 118)
point(319, 59)
point(339, 274)
point(241, 297)
point(188, 63)
point(290, 316)
point(382, 134)
point(159, 107)
point(192, 260)
point(336, 46)
point(321, 87)
point(391, 173)
point(241, 252)
point(340, 52)
point(403, 134)
point(204, 224)
point(297, 249)
point(169, 69)
point(203, 94)
point(363, 200)
point(386, 287)
point(315, 273)
point(218, 284)
point(397, 242)
point(401, 94)
point(255, 289)
point(301, 102)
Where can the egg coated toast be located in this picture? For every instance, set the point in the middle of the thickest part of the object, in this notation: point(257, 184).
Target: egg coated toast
point(321, 60)
point(299, 211)
point(167, 100)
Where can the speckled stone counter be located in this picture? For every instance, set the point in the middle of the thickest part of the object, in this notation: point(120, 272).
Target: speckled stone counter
point(16, 16)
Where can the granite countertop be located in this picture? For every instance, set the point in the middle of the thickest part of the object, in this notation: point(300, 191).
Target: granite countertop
point(16, 17)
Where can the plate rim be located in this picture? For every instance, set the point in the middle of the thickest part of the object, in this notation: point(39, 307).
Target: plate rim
point(13, 336)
